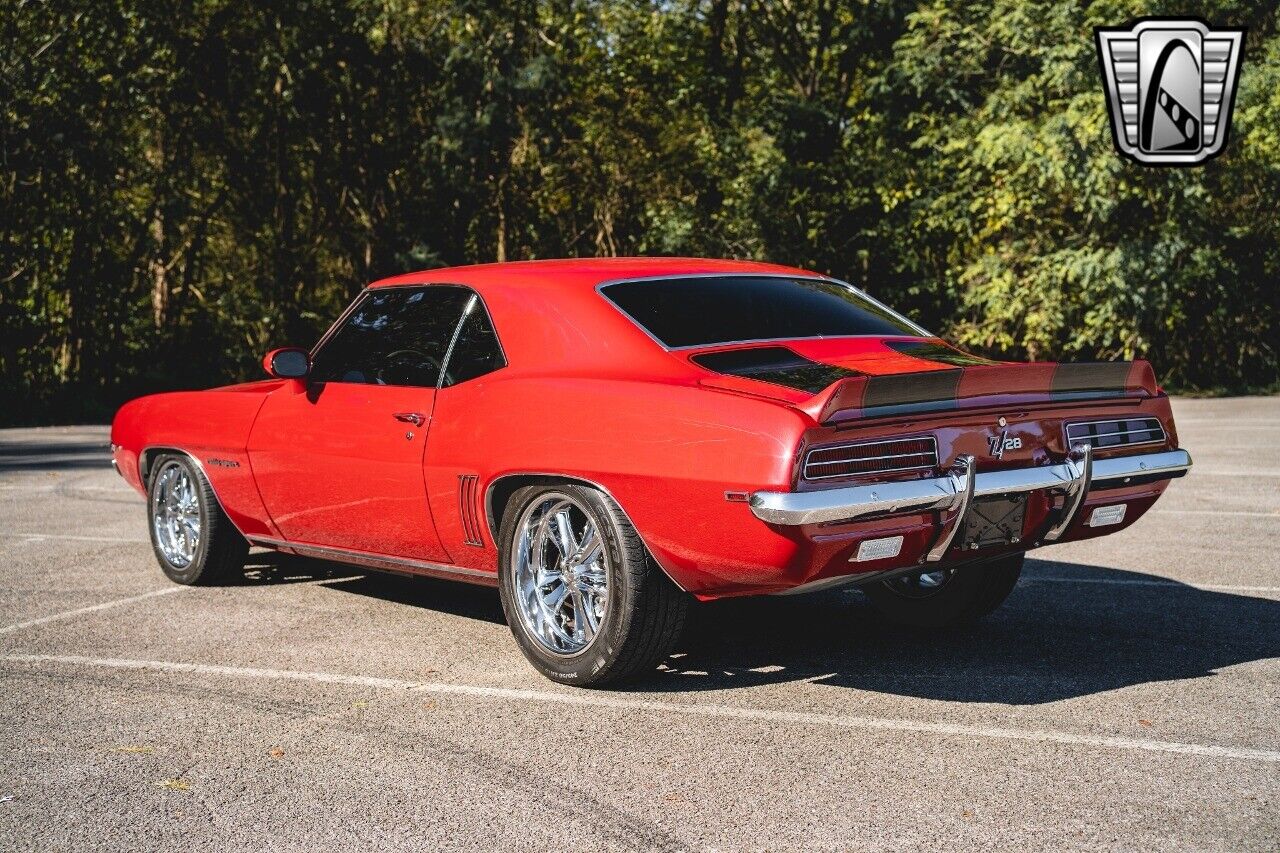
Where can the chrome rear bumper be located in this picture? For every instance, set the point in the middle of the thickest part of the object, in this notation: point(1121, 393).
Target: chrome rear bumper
point(1074, 477)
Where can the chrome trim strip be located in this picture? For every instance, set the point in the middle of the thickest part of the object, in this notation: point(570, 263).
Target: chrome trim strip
point(333, 329)
point(1173, 463)
point(361, 558)
point(1080, 461)
point(894, 498)
point(852, 502)
point(476, 295)
point(872, 459)
point(963, 479)
point(823, 448)
point(894, 470)
point(1109, 434)
point(493, 528)
point(1159, 428)
point(921, 332)
point(453, 339)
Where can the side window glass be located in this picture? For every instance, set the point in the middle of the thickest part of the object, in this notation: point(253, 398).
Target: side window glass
point(477, 351)
point(395, 336)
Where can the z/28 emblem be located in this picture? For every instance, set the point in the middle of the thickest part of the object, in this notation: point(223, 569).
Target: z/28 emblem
point(998, 444)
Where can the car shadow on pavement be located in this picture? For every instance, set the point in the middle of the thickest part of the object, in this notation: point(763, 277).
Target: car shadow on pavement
point(54, 456)
point(458, 599)
point(1067, 630)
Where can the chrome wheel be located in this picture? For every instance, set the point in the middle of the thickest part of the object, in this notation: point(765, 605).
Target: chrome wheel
point(921, 584)
point(560, 574)
point(175, 514)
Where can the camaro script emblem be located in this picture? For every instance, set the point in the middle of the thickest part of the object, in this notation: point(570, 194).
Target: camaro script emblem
point(1170, 85)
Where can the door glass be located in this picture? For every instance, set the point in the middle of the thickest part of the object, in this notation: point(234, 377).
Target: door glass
point(395, 336)
point(477, 351)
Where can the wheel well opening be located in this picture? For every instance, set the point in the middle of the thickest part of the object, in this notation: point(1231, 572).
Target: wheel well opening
point(501, 490)
point(148, 457)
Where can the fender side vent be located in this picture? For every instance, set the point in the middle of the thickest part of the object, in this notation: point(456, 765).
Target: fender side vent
point(1116, 432)
point(871, 457)
point(468, 485)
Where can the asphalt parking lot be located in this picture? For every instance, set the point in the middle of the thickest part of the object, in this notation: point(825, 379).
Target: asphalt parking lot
point(1126, 696)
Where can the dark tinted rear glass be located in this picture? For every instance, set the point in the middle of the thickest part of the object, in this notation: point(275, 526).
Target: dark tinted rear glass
point(683, 312)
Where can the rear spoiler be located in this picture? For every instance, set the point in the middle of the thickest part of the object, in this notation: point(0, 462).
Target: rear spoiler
point(979, 386)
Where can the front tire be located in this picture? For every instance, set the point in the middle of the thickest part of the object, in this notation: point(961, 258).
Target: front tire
point(585, 602)
point(194, 541)
point(946, 598)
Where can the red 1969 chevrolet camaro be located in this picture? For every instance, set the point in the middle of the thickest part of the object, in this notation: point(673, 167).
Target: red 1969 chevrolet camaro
point(606, 440)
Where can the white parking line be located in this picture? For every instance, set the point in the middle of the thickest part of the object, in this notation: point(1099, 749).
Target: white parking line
point(18, 487)
point(169, 590)
point(39, 537)
point(597, 700)
point(93, 608)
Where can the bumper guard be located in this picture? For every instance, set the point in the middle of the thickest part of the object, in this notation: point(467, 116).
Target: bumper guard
point(954, 492)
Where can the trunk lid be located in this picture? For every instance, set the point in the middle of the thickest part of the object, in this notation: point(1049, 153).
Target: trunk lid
point(848, 379)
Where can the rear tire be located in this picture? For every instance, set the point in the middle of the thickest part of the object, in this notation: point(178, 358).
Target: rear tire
point(194, 541)
point(643, 612)
point(965, 595)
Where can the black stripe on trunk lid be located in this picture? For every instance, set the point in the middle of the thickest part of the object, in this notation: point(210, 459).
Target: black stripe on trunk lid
point(779, 365)
point(906, 393)
point(1090, 379)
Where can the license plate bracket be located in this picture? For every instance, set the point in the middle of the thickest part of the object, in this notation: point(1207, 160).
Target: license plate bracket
point(996, 520)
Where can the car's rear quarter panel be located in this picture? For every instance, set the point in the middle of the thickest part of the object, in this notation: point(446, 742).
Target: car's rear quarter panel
point(668, 453)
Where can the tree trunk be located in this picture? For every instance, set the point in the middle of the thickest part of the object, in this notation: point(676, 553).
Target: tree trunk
point(502, 219)
point(159, 272)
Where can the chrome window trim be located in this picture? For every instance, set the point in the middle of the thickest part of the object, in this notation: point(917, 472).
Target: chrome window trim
point(457, 330)
point(921, 332)
point(1159, 427)
point(453, 340)
point(476, 299)
point(804, 468)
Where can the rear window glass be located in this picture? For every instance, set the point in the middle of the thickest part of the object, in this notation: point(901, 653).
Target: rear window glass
point(684, 312)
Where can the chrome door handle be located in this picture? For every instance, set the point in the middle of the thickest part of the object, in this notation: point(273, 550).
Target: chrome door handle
point(410, 418)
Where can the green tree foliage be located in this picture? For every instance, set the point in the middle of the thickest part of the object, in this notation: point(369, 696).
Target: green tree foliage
point(183, 185)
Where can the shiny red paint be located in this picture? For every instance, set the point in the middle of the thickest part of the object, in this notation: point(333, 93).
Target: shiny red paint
point(335, 467)
point(587, 395)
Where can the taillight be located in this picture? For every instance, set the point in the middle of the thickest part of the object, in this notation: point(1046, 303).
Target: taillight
point(871, 457)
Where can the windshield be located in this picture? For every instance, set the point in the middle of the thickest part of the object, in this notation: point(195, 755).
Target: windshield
point(700, 311)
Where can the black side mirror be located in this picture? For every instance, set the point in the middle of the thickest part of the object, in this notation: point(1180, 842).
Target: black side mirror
point(287, 363)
